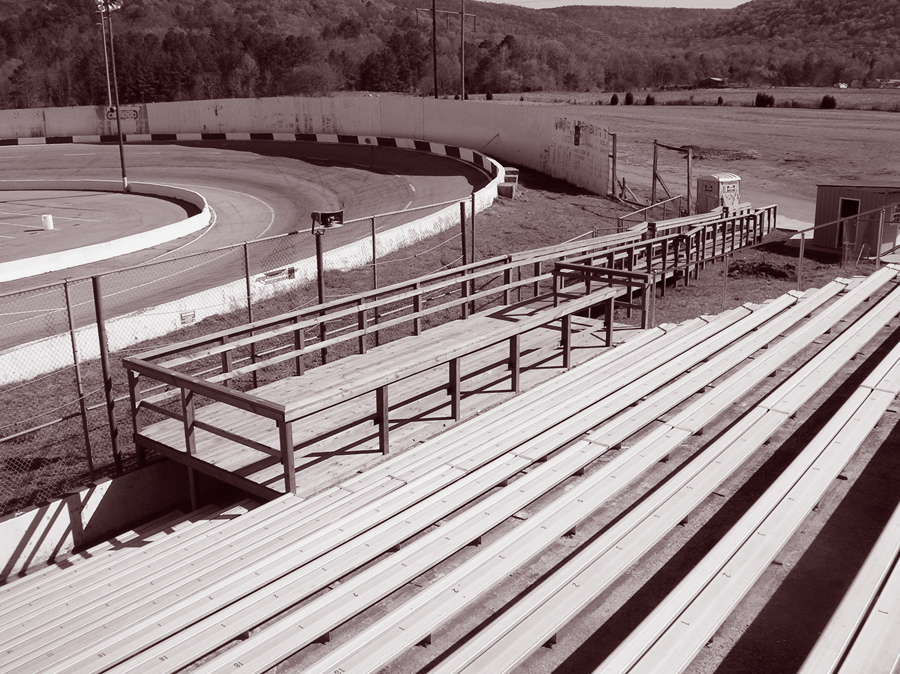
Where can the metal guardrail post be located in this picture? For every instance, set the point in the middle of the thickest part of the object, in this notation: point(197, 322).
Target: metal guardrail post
point(107, 374)
point(79, 385)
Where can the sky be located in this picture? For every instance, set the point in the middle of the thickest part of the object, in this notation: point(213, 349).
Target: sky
point(695, 4)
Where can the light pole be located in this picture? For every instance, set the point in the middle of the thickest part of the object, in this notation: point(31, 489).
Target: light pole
point(106, 8)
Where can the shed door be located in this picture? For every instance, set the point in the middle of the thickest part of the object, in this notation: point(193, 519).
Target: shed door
point(847, 231)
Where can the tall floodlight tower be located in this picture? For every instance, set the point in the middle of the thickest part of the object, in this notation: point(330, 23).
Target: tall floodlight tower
point(107, 7)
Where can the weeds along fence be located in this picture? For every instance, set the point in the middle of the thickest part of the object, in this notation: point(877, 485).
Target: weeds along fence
point(63, 393)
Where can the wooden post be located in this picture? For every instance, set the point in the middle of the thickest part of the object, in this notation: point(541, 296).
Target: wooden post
point(134, 393)
point(107, 375)
point(507, 281)
point(690, 161)
point(465, 255)
point(375, 274)
point(878, 246)
point(190, 446)
point(614, 162)
point(655, 165)
point(250, 308)
point(567, 341)
point(417, 310)
point(286, 444)
point(79, 388)
point(362, 322)
point(383, 413)
point(299, 343)
point(800, 262)
point(610, 307)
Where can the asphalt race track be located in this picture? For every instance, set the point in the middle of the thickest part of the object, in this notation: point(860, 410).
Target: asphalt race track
point(256, 189)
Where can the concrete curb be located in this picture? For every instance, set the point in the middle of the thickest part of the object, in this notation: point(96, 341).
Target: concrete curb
point(34, 266)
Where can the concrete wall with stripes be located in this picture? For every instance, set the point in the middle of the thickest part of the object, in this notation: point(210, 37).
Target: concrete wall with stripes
point(542, 138)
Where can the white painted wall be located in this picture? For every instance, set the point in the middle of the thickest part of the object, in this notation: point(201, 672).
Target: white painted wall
point(541, 138)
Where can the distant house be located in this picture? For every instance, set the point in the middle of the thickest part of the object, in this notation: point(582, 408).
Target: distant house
point(713, 83)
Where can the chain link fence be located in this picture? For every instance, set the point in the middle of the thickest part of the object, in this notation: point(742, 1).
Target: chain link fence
point(59, 430)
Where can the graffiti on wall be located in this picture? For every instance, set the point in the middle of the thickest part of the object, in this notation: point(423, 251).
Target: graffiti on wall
point(578, 153)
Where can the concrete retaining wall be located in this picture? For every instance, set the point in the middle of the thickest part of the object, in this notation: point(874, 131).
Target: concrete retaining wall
point(561, 145)
point(91, 515)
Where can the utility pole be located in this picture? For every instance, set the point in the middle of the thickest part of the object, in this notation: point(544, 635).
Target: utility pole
point(462, 41)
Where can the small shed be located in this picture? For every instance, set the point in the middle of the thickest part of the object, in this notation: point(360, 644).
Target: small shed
point(718, 189)
point(852, 215)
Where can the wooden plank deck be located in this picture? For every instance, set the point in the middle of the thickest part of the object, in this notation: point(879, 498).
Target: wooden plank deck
point(333, 443)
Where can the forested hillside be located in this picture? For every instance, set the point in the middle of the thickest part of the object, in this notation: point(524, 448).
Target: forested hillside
point(51, 50)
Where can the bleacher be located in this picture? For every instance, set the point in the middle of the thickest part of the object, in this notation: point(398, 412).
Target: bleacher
point(250, 586)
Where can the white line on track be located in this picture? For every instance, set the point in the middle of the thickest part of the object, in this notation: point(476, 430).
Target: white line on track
point(55, 217)
point(6, 237)
point(81, 154)
point(215, 219)
point(15, 224)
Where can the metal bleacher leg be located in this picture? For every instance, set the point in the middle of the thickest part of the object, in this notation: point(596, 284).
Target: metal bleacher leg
point(383, 413)
point(454, 389)
point(608, 305)
point(515, 364)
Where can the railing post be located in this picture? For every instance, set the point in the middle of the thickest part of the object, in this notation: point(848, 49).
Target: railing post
point(79, 385)
point(507, 281)
point(107, 375)
point(878, 248)
point(134, 394)
point(375, 277)
point(286, 444)
point(299, 344)
point(250, 308)
point(417, 310)
point(537, 272)
point(190, 446)
point(362, 323)
point(227, 361)
point(800, 262)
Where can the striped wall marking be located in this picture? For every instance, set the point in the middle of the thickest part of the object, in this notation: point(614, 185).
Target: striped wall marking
point(164, 137)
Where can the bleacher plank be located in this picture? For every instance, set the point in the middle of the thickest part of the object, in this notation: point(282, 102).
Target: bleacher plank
point(727, 574)
point(749, 326)
point(877, 646)
point(838, 634)
point(377, 645)
point(676, 630)
point(268, 648)
point(549, 441)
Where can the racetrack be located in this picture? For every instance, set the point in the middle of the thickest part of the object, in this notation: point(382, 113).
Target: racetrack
point(257, 189)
